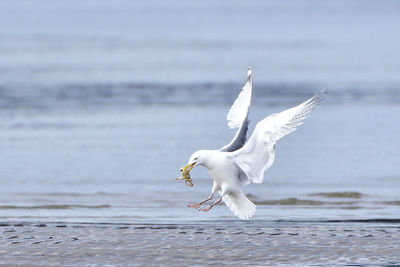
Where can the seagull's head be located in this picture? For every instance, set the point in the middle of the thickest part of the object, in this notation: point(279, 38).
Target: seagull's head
point(198, 158)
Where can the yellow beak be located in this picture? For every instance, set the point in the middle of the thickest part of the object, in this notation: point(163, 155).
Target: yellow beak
point(189, 167)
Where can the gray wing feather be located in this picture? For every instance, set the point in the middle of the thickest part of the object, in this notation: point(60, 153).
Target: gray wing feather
point(257, 155)
point(237, 116)
point(239, 140)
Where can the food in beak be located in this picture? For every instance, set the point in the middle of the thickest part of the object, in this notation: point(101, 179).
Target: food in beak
point(185, 174)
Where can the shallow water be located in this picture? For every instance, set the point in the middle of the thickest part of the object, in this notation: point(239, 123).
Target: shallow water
point(100, 104)
point(120, 165)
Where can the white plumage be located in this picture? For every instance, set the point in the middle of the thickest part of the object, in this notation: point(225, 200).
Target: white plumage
point(258, 154)
point(239, 163)
point(240, 108)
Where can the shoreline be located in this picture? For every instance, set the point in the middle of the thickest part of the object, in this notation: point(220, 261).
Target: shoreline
point(251, 243)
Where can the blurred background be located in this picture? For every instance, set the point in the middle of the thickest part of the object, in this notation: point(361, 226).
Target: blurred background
point(102, 101)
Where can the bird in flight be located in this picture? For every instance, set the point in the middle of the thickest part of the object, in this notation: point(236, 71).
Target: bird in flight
point(240, 163)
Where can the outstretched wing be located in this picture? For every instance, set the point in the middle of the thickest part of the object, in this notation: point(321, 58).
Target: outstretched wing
point(257, 155)
point(237, 116)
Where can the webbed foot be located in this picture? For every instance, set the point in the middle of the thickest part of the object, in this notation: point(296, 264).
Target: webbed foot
point(194, 206)
point(206, 209)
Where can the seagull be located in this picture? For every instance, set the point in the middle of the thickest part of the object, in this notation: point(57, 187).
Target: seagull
point(240, 163)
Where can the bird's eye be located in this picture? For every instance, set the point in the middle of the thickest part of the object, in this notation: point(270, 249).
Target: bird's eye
point(195, 158)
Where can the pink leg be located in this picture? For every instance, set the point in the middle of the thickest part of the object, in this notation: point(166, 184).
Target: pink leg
point(212, 205)
point(197, 205)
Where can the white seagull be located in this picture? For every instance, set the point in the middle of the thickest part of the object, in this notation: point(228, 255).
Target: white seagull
point(240, 163)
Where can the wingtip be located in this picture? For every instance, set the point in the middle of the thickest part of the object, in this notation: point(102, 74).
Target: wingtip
point(249, 71)
point(323, 93)
point(318, 98)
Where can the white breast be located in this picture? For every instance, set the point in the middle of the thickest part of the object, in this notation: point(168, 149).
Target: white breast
point(224, 172)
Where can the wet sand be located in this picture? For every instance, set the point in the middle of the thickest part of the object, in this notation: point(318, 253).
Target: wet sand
point(234, 243)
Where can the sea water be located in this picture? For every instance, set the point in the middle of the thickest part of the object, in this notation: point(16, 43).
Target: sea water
point(101, 103)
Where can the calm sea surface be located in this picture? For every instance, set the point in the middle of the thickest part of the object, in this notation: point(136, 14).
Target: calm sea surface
point(101, 103)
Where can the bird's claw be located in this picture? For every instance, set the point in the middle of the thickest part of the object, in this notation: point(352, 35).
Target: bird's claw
point(205, 209)
point(194, 206)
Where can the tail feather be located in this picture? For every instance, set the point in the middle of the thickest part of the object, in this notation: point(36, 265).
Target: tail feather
point(240, 205)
